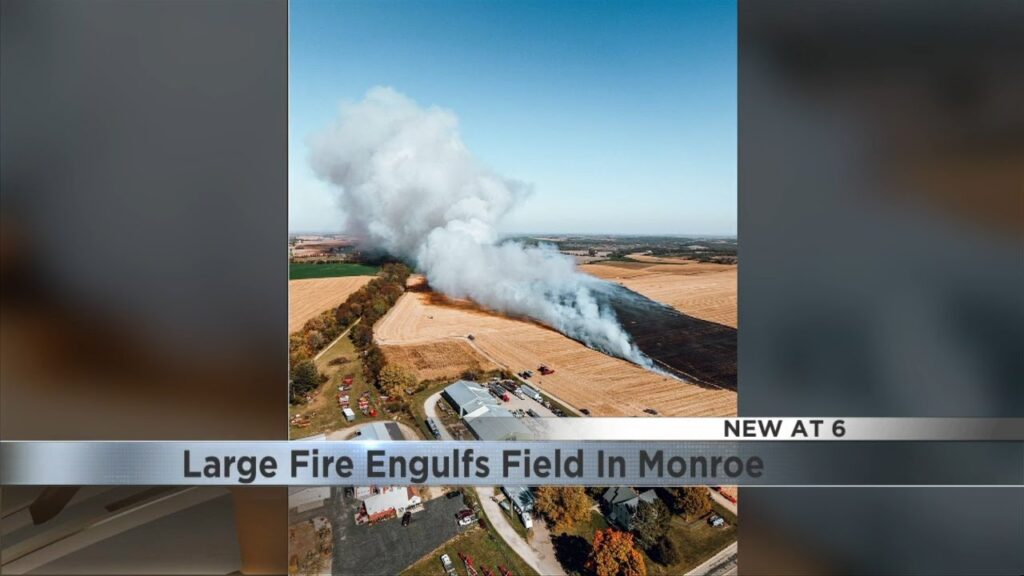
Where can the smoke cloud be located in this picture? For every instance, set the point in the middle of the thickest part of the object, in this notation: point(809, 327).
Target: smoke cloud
point(410, 187)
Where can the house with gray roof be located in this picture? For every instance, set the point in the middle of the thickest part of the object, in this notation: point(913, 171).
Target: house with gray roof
point(621, 503)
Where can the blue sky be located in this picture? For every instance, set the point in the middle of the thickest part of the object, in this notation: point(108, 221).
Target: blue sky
point(622, 115)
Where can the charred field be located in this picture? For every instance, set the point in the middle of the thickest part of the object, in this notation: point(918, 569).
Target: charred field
point(697, 350)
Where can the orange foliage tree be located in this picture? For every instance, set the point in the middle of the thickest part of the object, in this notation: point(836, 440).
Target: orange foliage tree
point(614, 554)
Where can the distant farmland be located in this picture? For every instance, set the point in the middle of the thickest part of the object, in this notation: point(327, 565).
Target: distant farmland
point(304, 270)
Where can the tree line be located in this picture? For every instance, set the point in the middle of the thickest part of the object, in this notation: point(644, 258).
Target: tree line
point(366, 305)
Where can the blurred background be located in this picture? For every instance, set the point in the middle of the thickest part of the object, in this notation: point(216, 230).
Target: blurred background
point(143, 168)
point(881, 171)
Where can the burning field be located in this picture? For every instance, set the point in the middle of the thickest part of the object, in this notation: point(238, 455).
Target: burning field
point(583, 377)
point(307, 298)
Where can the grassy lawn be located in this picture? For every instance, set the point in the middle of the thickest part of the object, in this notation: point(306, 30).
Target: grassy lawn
point(697, 541)
point(324, 410)
point(485, 547)
point(303, 270)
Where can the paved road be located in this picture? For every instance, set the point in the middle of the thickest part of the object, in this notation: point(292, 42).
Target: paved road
point(721, 564)
point(538, 552)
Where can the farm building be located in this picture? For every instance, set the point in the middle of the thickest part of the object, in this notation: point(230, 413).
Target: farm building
point(380, 431)
point(304, 499)
point(621, 503)
point(497, 423)
point(521, 498)
point(469, 399)
point(482, 414)
point(390, 501)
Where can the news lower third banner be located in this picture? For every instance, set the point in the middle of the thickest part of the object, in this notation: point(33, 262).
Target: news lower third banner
point(655, 452)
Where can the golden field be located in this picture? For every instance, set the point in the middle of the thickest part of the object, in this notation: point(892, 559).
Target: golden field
point(307, 298)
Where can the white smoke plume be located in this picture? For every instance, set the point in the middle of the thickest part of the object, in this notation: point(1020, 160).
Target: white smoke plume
point(410, 187)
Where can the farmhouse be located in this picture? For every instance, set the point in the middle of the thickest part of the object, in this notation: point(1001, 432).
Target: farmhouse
point(621, 503)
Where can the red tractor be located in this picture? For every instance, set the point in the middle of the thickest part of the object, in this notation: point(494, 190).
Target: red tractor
point(545, 371)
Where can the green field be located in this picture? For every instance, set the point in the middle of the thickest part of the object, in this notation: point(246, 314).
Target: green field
point(304, 270)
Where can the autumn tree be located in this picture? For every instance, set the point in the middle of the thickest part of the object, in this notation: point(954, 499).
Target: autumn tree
point(650, 523)
point(361, 335)
point(394, 380)
point(373, 363)
point(563, 506)
point(614, 554)
point(694, 501)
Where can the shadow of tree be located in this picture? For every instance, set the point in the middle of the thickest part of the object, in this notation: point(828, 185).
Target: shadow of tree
point(571, 552)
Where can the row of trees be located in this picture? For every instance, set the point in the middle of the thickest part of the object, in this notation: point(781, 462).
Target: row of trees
point(366, 305)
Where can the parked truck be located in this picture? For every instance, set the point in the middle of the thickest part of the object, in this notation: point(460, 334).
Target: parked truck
point(449, 567)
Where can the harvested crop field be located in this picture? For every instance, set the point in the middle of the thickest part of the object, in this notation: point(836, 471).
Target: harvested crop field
point(307, 298)
point(705, 291)
point(583, 378)
point(436, 360)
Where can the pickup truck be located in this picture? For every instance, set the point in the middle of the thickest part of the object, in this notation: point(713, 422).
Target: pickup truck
point(449, 568)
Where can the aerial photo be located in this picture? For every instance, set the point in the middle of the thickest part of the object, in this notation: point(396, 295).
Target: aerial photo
point(512, 210)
